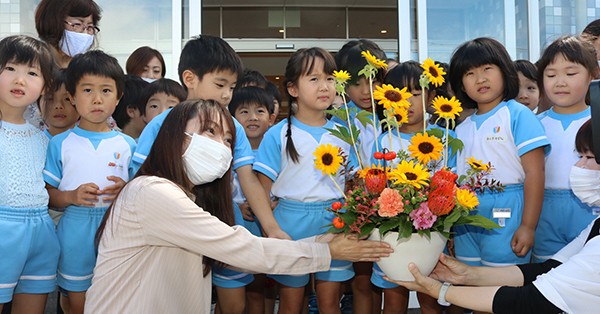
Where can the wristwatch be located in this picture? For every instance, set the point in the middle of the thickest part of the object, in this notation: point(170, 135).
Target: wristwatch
point(442, 297)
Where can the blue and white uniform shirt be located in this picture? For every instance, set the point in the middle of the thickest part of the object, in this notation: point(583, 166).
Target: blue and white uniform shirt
point(501, 137)
point(366, 137)
point(78, 156)
point(242, 152)
point(300, 181)
point(561, 130)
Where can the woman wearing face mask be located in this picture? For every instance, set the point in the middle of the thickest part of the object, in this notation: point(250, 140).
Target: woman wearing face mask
point(171, 223)
point(146, 63)
point(568, 282)
point(69, 27)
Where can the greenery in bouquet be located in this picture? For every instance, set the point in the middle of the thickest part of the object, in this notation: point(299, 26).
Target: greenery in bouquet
point(412, 190)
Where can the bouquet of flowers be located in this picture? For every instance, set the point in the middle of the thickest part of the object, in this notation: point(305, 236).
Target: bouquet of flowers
point(412, 190)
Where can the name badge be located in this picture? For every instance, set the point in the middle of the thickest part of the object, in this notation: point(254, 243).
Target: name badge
point(498, 213)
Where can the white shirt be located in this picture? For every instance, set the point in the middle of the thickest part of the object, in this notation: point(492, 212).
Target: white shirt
point(150, 256)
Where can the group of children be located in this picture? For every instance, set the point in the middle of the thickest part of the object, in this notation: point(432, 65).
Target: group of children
point(80, 164)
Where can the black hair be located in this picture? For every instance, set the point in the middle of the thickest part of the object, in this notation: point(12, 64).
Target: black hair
point(572, 49)
point(21, 49)
point(475, 53)
point(528, 69)
point(132, 98)
point(301, 63)
point(251, 95)
point(593, 28)
point(584, 140)
point(350, 58)
point(272, 89)
point(98, 63)
point(163, 85)
point(59, 78)
point(205, 54)
point(252, 78)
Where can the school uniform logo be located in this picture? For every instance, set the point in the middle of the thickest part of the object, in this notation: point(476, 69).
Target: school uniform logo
point(117, 164)
point(496, 136)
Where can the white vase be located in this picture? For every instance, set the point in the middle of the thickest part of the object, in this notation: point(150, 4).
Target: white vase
point(417, 249)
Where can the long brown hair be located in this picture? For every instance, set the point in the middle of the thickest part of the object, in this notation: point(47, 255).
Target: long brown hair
point(164, 160)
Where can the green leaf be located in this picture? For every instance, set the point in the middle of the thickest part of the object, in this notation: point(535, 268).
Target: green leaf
point(405, 229)
point(366, 230)
point(439, 133)
point(339, 113)
point(451, 219)
point(455, 144)
point(389, 225)
point(365, 117)
point(477, 221)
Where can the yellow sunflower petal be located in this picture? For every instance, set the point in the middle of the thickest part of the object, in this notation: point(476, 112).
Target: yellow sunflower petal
point(388, 96)
point(410, 173)
point(425, 147)
point(447, 108)
point(467, 198)
point(328, 158)
point(478, 164)
point(399, 112)
point(434, 72)
point(372, 60)
point(342, 76)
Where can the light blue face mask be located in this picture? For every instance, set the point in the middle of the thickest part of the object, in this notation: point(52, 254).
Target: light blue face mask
point(74, 43)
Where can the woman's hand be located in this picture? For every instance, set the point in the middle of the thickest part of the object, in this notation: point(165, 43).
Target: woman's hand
point(451, 270)
point(352, 249)
point(421, 284)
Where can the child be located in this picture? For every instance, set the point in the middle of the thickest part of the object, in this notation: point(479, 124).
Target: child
point(566, 69)
point(209, 69)
point(274, 91)
point(508, 135)
point(349, 58)
point(128, 114)
point(58, 112)
point(86, 167)
point(285, 163)
point(159, 96)
point(405, 74)
point(529, 93)
point(29, 247)
point(253, 108)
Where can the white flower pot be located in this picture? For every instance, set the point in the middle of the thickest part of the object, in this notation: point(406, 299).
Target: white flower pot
point(417, 249)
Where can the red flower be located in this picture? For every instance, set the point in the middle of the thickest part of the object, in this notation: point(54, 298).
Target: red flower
point(375, 181)
point(338, 223)
point(441, 198)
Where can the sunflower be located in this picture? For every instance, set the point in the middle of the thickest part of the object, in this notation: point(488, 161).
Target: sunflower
point(410, 173)
point(399, 112)
point(372, 60)
point(362, 173)
point(478, 164)
point(466, 198)
point(328, 158)
point(341, 76)
point(425, 147)
point(434, 72)
point(447, 108)
point(388, 96)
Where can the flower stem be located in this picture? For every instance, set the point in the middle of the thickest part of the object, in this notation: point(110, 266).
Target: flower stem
point(337, 185)
point(446, 145)
point(351, 133)
point(374, 114)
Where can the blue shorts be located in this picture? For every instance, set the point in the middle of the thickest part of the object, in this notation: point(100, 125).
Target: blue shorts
point(477, 246)
point(377, 278)
point(76, 232)
point(224, 277)
point(29, 252)
point(252, 226)
point(563, 217)
point(301, 220)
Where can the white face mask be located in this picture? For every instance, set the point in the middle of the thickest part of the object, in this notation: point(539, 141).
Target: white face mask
point(206, 160)
point(149, 80)
point(585, 184)
point(74, 43)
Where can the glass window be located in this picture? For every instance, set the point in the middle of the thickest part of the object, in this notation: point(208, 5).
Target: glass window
point(315, 23)
point(252, 22)
point(450, 23)
point(522, 29)
point(211, 21)
point(373, 23)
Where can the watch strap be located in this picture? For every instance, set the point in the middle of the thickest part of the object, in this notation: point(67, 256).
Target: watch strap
point(442, 297)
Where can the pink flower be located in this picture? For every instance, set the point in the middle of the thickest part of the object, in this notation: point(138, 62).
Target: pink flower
point(390, 203)
point(422, 217)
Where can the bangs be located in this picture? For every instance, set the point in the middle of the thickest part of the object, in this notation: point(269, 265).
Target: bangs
point(214, 117)
point(28, 56)
point(476, 55)
point(328, 61)
point(405, 74)
point(85, 9)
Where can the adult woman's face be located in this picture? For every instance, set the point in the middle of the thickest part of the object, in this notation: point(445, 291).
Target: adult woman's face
point(81, 25)
point(218, 132)
point(592, 39)
point(588, 161)
point(152, 70)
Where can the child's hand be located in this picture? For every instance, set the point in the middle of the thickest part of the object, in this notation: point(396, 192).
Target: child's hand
point(113, 190)
point(274, 203)
point(246, 211)
point(85, 195)
point(522, 240)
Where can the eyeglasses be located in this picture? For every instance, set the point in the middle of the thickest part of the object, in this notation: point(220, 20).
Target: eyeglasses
point(80, 28)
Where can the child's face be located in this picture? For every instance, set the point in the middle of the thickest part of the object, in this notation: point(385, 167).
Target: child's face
point(529, 93)
point(484, 84)
point(95, 99)
point(20, 86)
point(566, 83)
point(360, 93)
point(588, 161)
point(217, 86)
point(255, 119)
point(58, 112)
point(415, 111)
point(152, 70)
point(158, 104)
point(314, 91)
